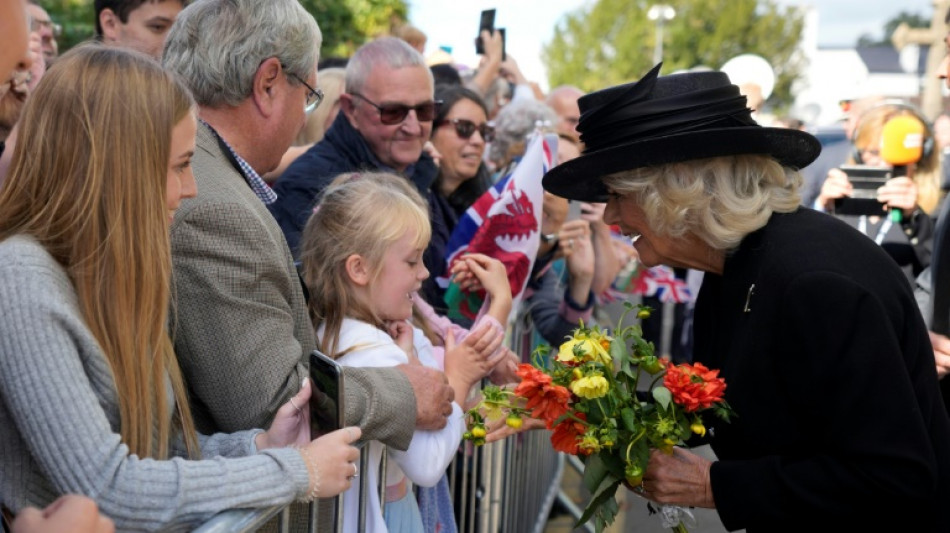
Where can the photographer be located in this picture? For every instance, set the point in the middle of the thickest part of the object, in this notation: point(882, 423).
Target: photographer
point(906, 235)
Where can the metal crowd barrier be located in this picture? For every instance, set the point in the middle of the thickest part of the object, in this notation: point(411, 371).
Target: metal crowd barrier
point(503, 487)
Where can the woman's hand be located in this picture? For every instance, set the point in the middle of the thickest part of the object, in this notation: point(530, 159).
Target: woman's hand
point(836, 186)
point(433, 152)
point(291, 425)
point(899, 193)
point(71, 512)
point(578, 251)
point(678, 479)
point(331, 462)
point(401, 332)
point(499, 429)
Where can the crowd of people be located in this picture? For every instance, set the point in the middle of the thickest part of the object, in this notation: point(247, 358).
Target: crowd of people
point(193, 202)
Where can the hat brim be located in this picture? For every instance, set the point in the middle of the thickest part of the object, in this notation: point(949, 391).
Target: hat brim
point(582, 177)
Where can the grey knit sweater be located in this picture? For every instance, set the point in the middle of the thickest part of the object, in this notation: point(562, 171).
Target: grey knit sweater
point(59, 420)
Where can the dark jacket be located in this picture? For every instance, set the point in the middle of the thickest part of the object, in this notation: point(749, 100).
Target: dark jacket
point(341, 150)
point(840, 425)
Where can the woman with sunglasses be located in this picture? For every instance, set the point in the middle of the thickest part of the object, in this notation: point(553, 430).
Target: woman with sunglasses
point(460, 134)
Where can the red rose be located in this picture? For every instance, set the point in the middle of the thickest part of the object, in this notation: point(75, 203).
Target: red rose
point(694, 386)
point(548, 401)
point(565, 435)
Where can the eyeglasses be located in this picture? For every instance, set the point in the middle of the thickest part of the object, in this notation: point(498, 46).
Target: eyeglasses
point(391, 114)
point(37, 24)
point(314, 96)
point(466, 128)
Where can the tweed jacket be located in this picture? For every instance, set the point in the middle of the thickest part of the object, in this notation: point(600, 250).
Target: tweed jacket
point(240, 323)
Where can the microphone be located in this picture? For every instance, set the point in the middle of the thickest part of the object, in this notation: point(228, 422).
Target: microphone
point(902, 143)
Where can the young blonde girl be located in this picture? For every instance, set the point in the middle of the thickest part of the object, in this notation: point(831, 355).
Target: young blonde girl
point(362, 261)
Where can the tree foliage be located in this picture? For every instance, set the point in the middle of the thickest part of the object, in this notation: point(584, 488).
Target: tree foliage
point(612, 41)
point(914, 20)
point(346, 24)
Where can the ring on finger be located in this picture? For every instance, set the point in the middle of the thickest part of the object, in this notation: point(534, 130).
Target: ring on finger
point(356, 470)
point(292, 402)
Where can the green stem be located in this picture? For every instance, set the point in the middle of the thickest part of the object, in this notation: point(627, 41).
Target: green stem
point(634, 441)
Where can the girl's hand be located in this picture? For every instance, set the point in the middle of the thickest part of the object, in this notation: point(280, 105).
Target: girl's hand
point(291, 425)
point(900, 193)
point(331, 462)
point(401, 332)
point(469, 361)
point(483, 272)
point(836, 186)
point(504, 372)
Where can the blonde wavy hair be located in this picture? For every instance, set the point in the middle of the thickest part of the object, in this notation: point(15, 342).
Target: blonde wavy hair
point(720, 199)
point(87, 181)
point(927, 175)
point(359, 214)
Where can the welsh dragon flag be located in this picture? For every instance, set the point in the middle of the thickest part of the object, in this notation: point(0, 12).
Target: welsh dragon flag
point(504, 223)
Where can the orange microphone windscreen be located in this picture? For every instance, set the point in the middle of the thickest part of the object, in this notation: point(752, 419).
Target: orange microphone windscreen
point(902, 140)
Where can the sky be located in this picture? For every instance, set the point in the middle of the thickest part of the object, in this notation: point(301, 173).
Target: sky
point(530, 23)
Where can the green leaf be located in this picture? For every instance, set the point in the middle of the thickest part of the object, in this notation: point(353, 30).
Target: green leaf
point(626, 414)
point(606, 491)
point(594, 472)
point(663, 396)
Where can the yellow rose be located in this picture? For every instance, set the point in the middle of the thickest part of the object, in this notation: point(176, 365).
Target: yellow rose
point(590, 387)
point(583, 347)
point(601, 344)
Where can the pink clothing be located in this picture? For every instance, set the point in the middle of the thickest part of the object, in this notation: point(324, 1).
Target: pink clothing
point(441, 326)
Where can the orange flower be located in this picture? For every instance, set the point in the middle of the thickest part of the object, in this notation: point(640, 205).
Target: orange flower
point(548, 401)
point(694, 386)
point(565, 436)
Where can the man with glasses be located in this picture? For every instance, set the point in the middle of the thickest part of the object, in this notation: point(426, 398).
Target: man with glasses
point(48, 31)
point(242, 332)
point(387, 112)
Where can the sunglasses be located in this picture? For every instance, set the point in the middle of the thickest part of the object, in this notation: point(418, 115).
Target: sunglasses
point(391, 114)
point(466, 128)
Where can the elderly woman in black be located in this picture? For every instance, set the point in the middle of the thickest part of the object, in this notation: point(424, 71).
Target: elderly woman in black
point(828, 363)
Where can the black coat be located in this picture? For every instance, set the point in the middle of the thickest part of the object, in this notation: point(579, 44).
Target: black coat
point(830, 371)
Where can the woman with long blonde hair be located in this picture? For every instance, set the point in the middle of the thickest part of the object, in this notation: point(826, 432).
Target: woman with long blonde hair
point(93, 401)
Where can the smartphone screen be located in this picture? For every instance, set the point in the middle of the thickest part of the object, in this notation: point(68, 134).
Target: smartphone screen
point(485, 22)
point(326, 400)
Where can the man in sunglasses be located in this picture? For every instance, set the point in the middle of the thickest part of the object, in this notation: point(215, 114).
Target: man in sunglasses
point(387, 112)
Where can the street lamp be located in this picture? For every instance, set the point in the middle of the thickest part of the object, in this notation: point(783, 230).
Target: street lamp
point(660, 13)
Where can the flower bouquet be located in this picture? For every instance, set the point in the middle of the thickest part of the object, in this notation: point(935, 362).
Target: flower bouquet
point(589, 396)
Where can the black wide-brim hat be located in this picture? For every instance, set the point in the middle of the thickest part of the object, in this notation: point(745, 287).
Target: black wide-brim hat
point(668, 119)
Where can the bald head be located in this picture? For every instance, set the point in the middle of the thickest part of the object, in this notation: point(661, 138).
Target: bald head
point(563, 100)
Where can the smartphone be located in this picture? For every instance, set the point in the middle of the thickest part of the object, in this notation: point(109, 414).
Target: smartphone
point(503, 55)
point(485, 22)
point(326, 399)
point(865, 181)
point(573, 210)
